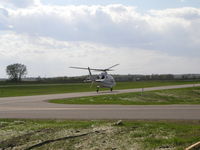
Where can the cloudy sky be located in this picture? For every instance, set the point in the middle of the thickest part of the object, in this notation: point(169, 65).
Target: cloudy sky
point(144, 37)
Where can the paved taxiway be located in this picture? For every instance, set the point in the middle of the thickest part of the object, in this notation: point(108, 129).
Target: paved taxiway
point(38, 107)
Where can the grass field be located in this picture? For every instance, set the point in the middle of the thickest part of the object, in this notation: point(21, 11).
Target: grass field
point(172, 96)
point(75, 135)
point(37, 89)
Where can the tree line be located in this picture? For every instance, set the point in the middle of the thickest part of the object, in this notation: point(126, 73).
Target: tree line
point(17, 72)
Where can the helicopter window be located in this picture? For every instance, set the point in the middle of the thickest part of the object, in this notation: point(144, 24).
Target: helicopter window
point(102, 77)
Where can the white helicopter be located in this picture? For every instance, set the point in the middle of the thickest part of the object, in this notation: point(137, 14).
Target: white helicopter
point(104, 79)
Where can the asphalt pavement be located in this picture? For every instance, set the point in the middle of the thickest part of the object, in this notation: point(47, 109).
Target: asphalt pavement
point(38, 107)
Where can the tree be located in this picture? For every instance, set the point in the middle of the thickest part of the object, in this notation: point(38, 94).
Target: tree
point(16, 71)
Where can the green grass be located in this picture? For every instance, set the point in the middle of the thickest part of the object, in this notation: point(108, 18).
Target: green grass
point(37, 89)
point(172, 96)
point(53, 134)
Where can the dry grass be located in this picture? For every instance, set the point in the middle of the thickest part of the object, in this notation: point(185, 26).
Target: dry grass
point(97, 135)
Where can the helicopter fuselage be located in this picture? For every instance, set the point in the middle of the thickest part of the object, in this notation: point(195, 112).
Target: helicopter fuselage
point(105, 80)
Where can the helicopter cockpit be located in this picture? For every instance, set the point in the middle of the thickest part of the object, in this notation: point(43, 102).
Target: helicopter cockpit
point(102, 76)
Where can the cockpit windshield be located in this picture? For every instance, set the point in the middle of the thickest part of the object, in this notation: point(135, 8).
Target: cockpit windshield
point(102, 76)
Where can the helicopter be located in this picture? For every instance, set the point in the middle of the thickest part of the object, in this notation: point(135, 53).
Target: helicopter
point(103, 80)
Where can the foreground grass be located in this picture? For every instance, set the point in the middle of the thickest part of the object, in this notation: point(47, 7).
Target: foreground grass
point(172, 96)
point(37, 89)
point(136, 135)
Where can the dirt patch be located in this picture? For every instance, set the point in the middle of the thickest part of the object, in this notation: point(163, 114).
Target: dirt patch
point(19, 140)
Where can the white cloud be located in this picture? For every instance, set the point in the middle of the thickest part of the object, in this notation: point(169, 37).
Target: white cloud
point(183, 13)
point(165, 41)
point(172, 30)
point(20, 3)
point(49, 57)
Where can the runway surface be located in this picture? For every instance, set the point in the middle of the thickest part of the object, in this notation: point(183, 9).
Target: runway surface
point(38, 107)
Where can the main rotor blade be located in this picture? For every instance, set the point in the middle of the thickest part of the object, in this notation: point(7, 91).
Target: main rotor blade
point(87, 68)
point(112, 66)
point(78, 68)
point(108, 69)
